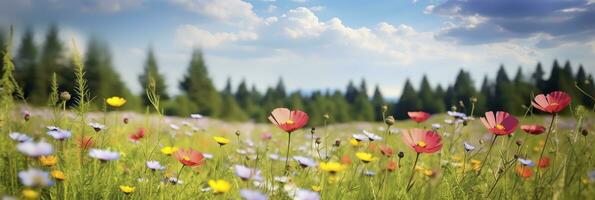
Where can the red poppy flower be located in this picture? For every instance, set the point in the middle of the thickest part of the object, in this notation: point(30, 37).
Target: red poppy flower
point(543, 162)
point(502, 123)
point(189, 157)
point(138, 135)
point(553, 102)
point(533, 129)
point(386, 151)
point(346, 160)
point(419, 116)
point(524, 172)
point(85, 142)
point(391, 166)
point(422, 141)
point(288, 120)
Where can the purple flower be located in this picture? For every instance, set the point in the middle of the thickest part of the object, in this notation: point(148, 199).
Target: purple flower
point(305, 161)
point(104, 155)
point(19, 137)
point(371, 136)
point(526, 162)
point(60, 134)
point(252, 195)
point(359, 137)
point(35, 178)
point(154, 165)
point(302, 194)
point(246, 173)
point(35, 149)
point(468, 147)
point(97, 126)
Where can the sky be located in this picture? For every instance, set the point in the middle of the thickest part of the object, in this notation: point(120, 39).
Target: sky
point(316, 44)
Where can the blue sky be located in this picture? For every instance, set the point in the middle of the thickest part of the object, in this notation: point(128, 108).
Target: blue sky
point(323, 44)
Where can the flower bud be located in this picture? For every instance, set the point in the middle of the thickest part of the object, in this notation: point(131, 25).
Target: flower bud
point(65, 96)
point(384, 108)
point(318, 141)
point(390, 120)
point(519, 142)
point(313, 130)
point(238, 133)
point(326, 116)
point(473, 99)
point(453, 108)
point(26, 115)
point(585, 132)
point(337, 143)
point(401, 154)
point(125, 120)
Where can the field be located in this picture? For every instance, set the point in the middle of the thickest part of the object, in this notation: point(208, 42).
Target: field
point(336, 171)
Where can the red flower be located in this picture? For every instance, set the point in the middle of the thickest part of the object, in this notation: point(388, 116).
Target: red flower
point(138, 135)
point(386, 151)
point(533, 129)
point(544, 162)
point(85, 142)
point(189, 157)
point(419, 117)
point(288, 120)
point(422, 141)
point(391, 166)
point(553, 102)
point(346, 160)
point(500, 124)
point(524, 172)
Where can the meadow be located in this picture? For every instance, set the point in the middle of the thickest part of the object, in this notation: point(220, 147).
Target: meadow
point(138, 158)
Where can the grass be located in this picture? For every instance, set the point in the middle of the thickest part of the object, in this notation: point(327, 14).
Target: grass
point(439, 175)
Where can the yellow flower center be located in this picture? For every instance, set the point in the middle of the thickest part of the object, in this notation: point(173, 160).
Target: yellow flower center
point(289, 122)
point(421, 144)
point(186, 158)
point(499, 127)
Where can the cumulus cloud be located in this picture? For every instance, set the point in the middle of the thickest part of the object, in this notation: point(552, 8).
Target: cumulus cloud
point(235, 12)
point(193, 36)
point(479, 21)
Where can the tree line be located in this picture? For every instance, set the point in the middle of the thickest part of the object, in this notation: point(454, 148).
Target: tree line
point(36, 63)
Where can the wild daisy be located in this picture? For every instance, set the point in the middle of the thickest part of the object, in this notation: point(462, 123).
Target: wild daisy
point(35, 149)
point(35, 178)
point(104, 155)
point(19, 137)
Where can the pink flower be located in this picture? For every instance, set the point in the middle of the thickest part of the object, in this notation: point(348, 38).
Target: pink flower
point(533, 129)
point(553, 102)
point(288, 120)
point(502, 123)
point(422, 141)
point(138, 135)
point(419, 116)
point(189, 157)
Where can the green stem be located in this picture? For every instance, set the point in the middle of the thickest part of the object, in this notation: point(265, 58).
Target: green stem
point(483, 163)
point(412, 172)
point(287, 154)
point(547, 137)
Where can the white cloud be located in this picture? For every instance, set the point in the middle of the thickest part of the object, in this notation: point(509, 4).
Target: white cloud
point(109, 5)
point(301, 22)
point(429, 9)
point(271, 8)
point(235, 12)
point(192, 36)
point(300, 1)
point(317, 8)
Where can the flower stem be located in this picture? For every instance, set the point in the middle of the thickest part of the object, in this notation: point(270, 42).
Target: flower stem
point(547, 137)
point(412, 172)
point(483, 163)
point(179, 172)
point(287, 154)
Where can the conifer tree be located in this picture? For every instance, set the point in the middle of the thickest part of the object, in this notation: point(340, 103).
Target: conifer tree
point(409, 101)
point(151, 71)
point(51, 61)
point(26, 63)
point(199, 88)
point(377, 102)
point(428, 99)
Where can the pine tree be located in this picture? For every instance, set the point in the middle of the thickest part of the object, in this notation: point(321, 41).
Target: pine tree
point(295, 101)
point(524, 90)
point(230, 110)
point(487, 98)
point(151, 71)
point(537, 79)
point(280, 92)
point(340, 108)
point(362, 108)
point(2, 47)
point(428, 99)
point(52, 61)
point(245, 100)
point(463, 91)
point(227, 89)
point(199, 88)
point(378, 103)
point(407, 102)
point(26, 63)
point(586, 84)
point(351, 92)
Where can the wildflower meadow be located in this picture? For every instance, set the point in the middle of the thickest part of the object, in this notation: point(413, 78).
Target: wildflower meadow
point(78, 153)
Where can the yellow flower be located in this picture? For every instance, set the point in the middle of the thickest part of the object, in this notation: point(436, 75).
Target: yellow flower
point(30, 194)
point(456, 158)
point(585, 181)
point(428, 173)
point(332, 167)
point(58, 175)
point(115, 101)
point(127, 189)
point(169, 150)
point(419, 169)
point(221, 140)
point(365, 157)
point(475, 162)
point(316, 188)
point(354, 142)
point(48, 160)
point(219, 186)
